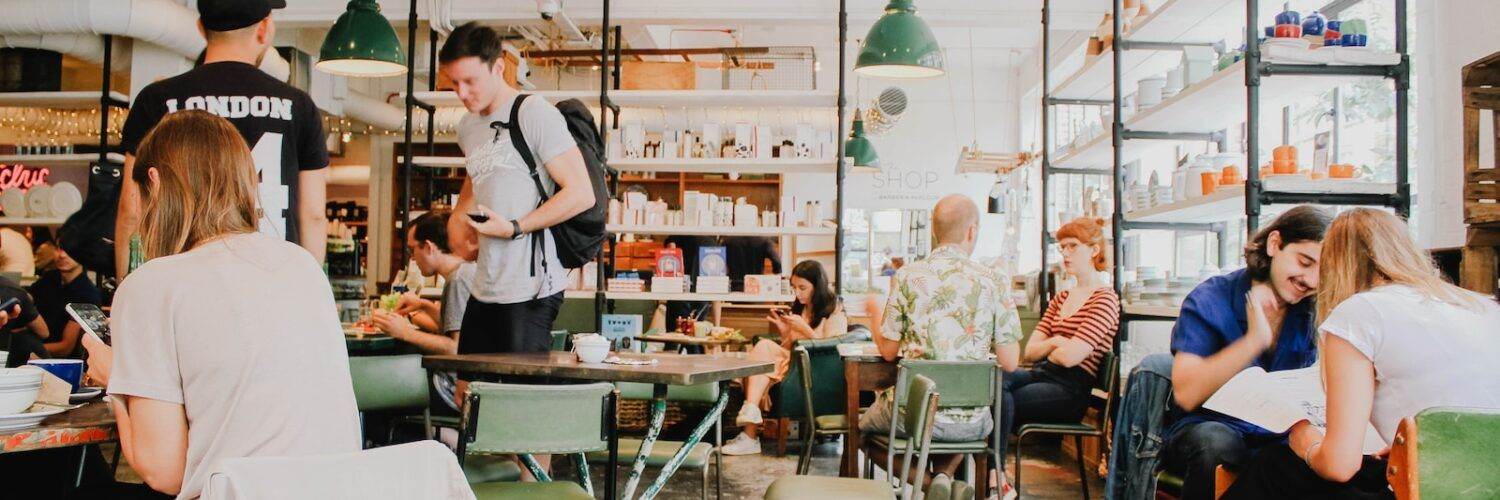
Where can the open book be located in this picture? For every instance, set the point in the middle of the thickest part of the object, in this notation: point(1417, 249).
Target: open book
point(1276, 401)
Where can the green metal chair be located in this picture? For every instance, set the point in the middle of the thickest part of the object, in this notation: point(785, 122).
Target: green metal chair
point(1108, 376)
point(787, 399)
point(662, 451)
point(819, 358)
point(1446, 452)
point(559, 340)
point(527, 419)
point(920, 420)
point(965, 384)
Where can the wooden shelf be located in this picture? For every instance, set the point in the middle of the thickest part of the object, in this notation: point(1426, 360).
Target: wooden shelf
point(32, 221)
point(763, 182)
point(669, 98)
point(721, 231)
point(694, 297)
point(1153, 310)
point(726, 165)
point(1228, 203)
point(638, 180)
point(59, 160)
point(68, 99)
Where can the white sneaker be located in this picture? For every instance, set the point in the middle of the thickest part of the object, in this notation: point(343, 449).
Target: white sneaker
point(742, 444)
point(749, 414)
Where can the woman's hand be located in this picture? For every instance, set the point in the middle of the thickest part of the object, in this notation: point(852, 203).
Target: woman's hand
point(494, 226)
point(1304, 438)
point(394, 325)
point(101, 360)
point(796, 323)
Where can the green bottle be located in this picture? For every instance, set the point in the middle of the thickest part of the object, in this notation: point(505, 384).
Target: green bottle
point(137, 254)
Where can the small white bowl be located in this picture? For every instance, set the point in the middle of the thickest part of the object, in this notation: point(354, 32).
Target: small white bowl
point(17, 396)
point(591, 353)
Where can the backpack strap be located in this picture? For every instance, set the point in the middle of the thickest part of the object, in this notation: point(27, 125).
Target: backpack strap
point(518, 141)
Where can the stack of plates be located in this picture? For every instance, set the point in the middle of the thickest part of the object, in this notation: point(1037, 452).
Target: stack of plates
point(57, 200)
point(18, 389)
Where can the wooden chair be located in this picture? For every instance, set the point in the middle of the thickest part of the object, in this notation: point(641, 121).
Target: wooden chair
point(1446, 453)
point(1223, 479)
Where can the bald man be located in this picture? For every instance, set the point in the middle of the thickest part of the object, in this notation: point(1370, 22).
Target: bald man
point(947, 308)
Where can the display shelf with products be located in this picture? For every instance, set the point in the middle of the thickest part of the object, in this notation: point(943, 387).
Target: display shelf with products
point(1228, 202)
point(666, 98)
point(721, 230)
point(725, 165)
point(60, 160)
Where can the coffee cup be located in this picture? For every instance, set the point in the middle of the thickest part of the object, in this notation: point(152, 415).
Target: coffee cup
point(70, 370)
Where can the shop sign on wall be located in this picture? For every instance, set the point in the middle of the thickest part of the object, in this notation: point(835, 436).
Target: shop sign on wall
point(902, 186)
point(21, 176)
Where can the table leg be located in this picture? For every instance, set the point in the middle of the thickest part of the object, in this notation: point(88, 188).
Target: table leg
point(83, 460)
point(658, 413)
point(710, 420)
point(849, 465)
point(613, 431)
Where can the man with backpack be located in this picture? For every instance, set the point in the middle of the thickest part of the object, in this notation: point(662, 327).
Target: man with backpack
point(527, 178)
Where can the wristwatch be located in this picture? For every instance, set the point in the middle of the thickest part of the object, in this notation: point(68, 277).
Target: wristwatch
point(515, 230)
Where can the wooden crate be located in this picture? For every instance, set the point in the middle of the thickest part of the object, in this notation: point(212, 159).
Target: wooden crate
point(1481, 96)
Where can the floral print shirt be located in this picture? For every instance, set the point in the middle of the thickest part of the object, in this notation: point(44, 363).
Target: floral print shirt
point(948, 307)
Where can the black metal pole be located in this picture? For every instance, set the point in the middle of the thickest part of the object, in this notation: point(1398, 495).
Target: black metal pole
point(1252, 117)
point(104, 104)
point(838, 176)
point(404, 210)
point(1119, 143)
point(1043, 286)
point(600, 301)
point(1403, 86)
point(431, 86)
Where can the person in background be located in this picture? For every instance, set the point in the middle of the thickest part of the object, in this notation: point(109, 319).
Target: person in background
point(1216, 337)
point(890, 268)
point(226, 341)
point(45, 248)
point(946, 307)
point(1396, 339)
point(27, 330)
point(16, 254)
point(1069, 343)
point(279, 122)
point(748, 255)
point(427, 242)
point(815, 314)
point(64, 284)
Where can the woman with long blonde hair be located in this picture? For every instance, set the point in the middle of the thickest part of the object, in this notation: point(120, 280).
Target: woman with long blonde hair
point(226, 341)
point(1396, 339)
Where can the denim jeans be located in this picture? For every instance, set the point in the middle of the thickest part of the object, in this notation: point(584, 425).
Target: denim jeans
point(1195, 450)
point(1137, 435)
point(1037, 396)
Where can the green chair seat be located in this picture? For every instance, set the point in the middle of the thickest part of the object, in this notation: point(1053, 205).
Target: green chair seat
point(491, 468)
point(937, 447)
point(661, 452)
point(838, 423)
point(1073, 428)
point(554, 490)
point(828, 488)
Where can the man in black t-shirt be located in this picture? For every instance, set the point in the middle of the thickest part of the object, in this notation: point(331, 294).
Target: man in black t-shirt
point(279, 122)
point(64, 284)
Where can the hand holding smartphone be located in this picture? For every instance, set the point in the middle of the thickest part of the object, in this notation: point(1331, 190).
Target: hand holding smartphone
point(92, 319)
point(479, 217)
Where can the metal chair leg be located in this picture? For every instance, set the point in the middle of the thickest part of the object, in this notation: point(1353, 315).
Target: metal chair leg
point(1083, 481)
point(719, 460)
point(1017, 485)
point(704, 494)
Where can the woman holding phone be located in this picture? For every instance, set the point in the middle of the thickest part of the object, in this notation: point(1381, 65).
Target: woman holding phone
point(815, 314)
point(226, 342)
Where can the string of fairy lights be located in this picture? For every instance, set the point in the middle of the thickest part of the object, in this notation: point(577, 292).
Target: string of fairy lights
point(48, 127)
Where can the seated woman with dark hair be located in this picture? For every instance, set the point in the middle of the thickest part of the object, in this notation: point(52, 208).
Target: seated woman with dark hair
point(815, 314)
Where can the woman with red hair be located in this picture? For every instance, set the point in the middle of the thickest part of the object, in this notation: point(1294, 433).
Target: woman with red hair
point(1069, 344)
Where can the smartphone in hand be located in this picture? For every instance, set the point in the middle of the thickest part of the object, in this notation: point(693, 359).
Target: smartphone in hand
point(92, 319)
point(478, 217)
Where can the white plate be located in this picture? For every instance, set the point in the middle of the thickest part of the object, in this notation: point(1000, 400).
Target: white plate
point(66, 199)
point(39, 200)
point(28, 419)
point(13, 201)
point(85, 394)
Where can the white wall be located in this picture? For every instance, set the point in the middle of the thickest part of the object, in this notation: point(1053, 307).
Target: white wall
point(1450, 35)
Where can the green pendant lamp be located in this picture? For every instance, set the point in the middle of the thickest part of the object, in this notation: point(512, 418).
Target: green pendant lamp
point(362, 43)
point(900, 45)
point(859, 152)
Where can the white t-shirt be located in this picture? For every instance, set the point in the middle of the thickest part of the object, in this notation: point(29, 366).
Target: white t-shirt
point(507, 273)
point(243, 333)
point(1426, 353)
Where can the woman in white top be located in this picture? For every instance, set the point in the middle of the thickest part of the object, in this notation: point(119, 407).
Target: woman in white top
point(1397, 339)
point(815, 314)
point(226, 342)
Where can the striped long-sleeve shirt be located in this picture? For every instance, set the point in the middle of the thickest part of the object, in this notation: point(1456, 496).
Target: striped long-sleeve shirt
point(1096, 323)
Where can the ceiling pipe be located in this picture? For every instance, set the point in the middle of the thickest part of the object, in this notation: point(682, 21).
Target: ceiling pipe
point(87, 48)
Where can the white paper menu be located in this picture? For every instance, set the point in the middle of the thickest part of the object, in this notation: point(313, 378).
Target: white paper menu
point(1276, 401)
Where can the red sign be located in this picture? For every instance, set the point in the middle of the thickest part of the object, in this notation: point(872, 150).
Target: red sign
point(22, 176)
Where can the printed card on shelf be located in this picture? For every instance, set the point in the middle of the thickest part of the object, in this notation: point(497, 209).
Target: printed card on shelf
point(713, 284)
point(668, 284)
point(713, 261)
point(618, 326)
point(669, 263)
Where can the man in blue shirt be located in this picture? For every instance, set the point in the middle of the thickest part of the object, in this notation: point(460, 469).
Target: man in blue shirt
point(1261, 315)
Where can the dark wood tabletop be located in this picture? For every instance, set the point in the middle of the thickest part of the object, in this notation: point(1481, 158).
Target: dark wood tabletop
point(672, 369)
point(92, 423)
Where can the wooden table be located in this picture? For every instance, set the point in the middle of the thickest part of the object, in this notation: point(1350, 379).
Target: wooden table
point(370, 344)
point(92, 423)
point(670, 369)
point(864, 371)
point(679, 339)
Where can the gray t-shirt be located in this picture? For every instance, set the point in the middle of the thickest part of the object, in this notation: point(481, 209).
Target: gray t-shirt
point(243, 333)
point(456, 297)
point(509, 271)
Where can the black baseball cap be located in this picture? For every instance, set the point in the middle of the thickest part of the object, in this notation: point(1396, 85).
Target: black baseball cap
point(230, 15)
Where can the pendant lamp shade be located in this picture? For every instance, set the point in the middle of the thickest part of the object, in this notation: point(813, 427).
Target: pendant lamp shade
point(900, 45)
point(362, 43)
point(859, 153)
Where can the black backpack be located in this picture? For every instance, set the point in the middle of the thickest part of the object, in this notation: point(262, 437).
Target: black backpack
point(578, 239)
point(88, 236)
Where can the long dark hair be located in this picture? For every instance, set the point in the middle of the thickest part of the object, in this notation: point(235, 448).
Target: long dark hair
point(1301, 223)
point(824, 302)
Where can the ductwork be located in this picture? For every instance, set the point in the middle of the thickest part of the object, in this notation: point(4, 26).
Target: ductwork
point(165, 23)
point(88, 48)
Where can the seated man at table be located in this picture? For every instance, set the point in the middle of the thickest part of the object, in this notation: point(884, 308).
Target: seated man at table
point(947, 307)
point(1210, 344)
point(427, 242)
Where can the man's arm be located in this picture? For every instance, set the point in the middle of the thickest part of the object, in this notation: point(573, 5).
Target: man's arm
point(1195, 377)
point(575, 193)
point(312, 218)
point(462, 237)
point(127, 217)
point(66, 341)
